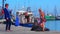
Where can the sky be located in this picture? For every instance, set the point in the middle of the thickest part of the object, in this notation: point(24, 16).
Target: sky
point(47, 6)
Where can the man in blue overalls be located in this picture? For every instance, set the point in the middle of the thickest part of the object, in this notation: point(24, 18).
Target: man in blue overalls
point(7, 17)
point(17, 19)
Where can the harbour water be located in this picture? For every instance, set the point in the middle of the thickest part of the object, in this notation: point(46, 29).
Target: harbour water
point(53, 25)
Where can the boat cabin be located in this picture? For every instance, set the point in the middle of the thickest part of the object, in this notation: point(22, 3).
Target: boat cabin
point(25, 17)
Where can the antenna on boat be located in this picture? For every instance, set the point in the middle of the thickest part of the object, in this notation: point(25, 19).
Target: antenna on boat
point(29, 3)
point(23, 7)
point(24, 2)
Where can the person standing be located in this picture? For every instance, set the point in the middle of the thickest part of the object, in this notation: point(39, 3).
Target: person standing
point(17, 20)
point(27, 17)
point(7, 14)
point(42, 18)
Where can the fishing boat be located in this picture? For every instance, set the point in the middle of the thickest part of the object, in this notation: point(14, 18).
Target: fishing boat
point(57, 17)
point(22, 18)
point(49, 17)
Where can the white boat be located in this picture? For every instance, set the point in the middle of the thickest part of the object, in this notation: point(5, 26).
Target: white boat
point(22, 16)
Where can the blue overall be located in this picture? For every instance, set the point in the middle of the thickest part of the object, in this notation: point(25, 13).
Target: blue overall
point(17, 21)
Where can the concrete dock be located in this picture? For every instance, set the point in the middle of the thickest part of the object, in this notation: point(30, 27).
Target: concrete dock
point(23, 30)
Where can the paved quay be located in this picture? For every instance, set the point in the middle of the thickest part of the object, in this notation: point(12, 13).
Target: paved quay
point(23, 30)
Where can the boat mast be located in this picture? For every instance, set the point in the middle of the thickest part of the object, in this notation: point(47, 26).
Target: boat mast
point(47, 10)
point(3, 3)
point(55, 10)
